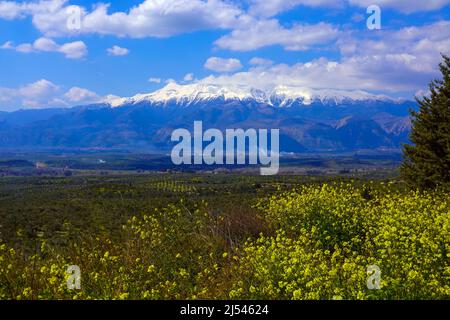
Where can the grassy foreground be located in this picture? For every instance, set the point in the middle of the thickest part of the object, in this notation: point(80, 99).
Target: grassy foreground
point(311, 242)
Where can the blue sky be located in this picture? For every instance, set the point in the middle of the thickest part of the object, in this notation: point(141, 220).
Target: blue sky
point(137, 46)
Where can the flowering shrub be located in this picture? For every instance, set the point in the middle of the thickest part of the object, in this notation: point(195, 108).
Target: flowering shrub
point(330, 234)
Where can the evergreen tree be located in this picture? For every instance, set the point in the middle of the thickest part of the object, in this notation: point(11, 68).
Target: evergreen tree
point(427, 162)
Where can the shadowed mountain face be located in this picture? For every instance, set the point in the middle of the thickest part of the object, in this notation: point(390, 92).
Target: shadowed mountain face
point(147, 126)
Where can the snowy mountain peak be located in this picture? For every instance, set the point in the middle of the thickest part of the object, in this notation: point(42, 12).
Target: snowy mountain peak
point(280, 96)
point(286, 94)
point(202, 92)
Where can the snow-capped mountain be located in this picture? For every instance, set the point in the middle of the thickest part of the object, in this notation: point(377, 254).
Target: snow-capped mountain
point(312, 120)
point(279, 96)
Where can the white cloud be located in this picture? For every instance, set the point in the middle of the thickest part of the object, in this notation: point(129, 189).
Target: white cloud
point(396, 61)
point(117, 51)
point(10, 10)
point(6, 97)
point(165, 18)
point(39, 88)
point(269, 32)
point(256, 61)
point(322, 73)
point(46, 45)
point(222, 65)
point(72, 50)
point(76, 94)
point(151, 18)
point(188, 77)
point(417, 47)
point(154, 80)
point(36, 94)
point(44, 94)
point(386, 60)
point(7, 45)
point(24, 48)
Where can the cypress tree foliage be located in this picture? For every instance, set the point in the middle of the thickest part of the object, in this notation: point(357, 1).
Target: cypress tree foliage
point(427, 162)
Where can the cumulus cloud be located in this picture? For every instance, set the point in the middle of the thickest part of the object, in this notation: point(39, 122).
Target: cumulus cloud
point(71, 50)
point(158, 18)
point(322, 74)
point(269, 32)
point(117, 51)
point(151, 18)
point(46, 45)
point(417, 47)
point(35, 94)
point(397, 61)
point(222, 65)
point(10, 10)
point(44, 94)
point(74, 50)
point(76, 94)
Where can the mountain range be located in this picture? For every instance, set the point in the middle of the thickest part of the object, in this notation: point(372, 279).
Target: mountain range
point(309, 120)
